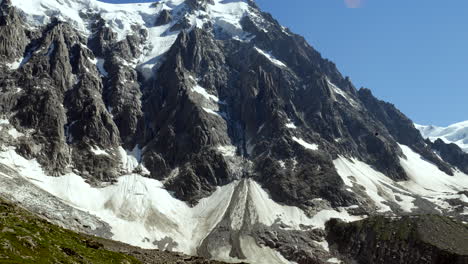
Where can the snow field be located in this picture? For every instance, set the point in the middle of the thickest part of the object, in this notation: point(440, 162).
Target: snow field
point(456, 133)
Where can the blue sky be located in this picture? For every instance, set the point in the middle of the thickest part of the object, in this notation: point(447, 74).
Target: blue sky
point(411, 53)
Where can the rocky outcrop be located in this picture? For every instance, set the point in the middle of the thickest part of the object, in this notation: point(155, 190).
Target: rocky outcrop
point(164, 18)
point(13, 36)
point(410, 239)
point(401, 127)
point(60, 102)
point(452, 153)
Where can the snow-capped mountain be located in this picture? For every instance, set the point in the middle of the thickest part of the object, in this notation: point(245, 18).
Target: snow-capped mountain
point(202, 126)
point(456, 133)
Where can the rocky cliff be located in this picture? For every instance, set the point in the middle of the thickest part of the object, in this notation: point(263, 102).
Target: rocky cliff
point(411, 239)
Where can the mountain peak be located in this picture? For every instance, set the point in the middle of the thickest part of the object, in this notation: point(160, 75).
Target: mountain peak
point(204, 127)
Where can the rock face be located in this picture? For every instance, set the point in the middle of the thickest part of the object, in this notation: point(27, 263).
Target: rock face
point(452, 153)
point(456, 133)
point(425, 239)
point(197, 95)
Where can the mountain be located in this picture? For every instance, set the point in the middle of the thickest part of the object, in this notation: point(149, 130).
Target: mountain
point(456, 133)
point(202, 126)
point(449, 143)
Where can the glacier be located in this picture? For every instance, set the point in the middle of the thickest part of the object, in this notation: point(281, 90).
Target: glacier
point(456, 133)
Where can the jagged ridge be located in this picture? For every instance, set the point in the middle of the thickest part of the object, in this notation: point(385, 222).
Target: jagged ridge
point(202, 94)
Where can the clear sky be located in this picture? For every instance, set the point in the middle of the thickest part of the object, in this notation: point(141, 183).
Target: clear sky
point(413, 53)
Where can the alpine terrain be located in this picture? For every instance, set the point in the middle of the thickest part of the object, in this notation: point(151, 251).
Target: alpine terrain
point(205, 127)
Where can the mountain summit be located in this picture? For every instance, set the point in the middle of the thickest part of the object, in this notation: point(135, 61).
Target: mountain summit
point(201, 126)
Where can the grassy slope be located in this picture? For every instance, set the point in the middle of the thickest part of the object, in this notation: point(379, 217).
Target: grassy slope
point(25, 238)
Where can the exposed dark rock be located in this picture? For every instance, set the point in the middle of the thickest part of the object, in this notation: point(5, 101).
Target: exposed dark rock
point(163, 18)
point(401, 128)
point(410, 239)
point(182, 24)
point(13, 38)
point(451, 153)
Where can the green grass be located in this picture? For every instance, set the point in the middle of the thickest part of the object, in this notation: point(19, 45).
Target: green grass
point(25, 238)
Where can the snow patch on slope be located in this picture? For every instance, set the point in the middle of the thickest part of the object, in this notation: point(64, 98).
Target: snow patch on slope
point(209, 103)
point(100, 66)
point(200, 90)
point(356, 173)
point(226, 16)
point(337, 91)
point(98, 151)
point(426, 181)
point(305, 144)
point(228, 151)
point(270, 57)
point(269, 212)
point(15, 65)
point(291, 124)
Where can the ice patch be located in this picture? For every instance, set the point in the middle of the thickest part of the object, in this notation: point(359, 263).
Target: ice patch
point(200, 90)
point(216, 113)
point(19, 62)
point(14, 133)
point(464, 198)
point(324, 216)
point(282, 164)
point(334, 260)
point(271, 57)
point(50, 50)
point(15, 65)
point(98, 151)
point(226, 16)
point(305, 144)
point(100, 65)
point(290, 124)
point(130, 160)
point(228, 151)
point(159, 43)
point(324, 245)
